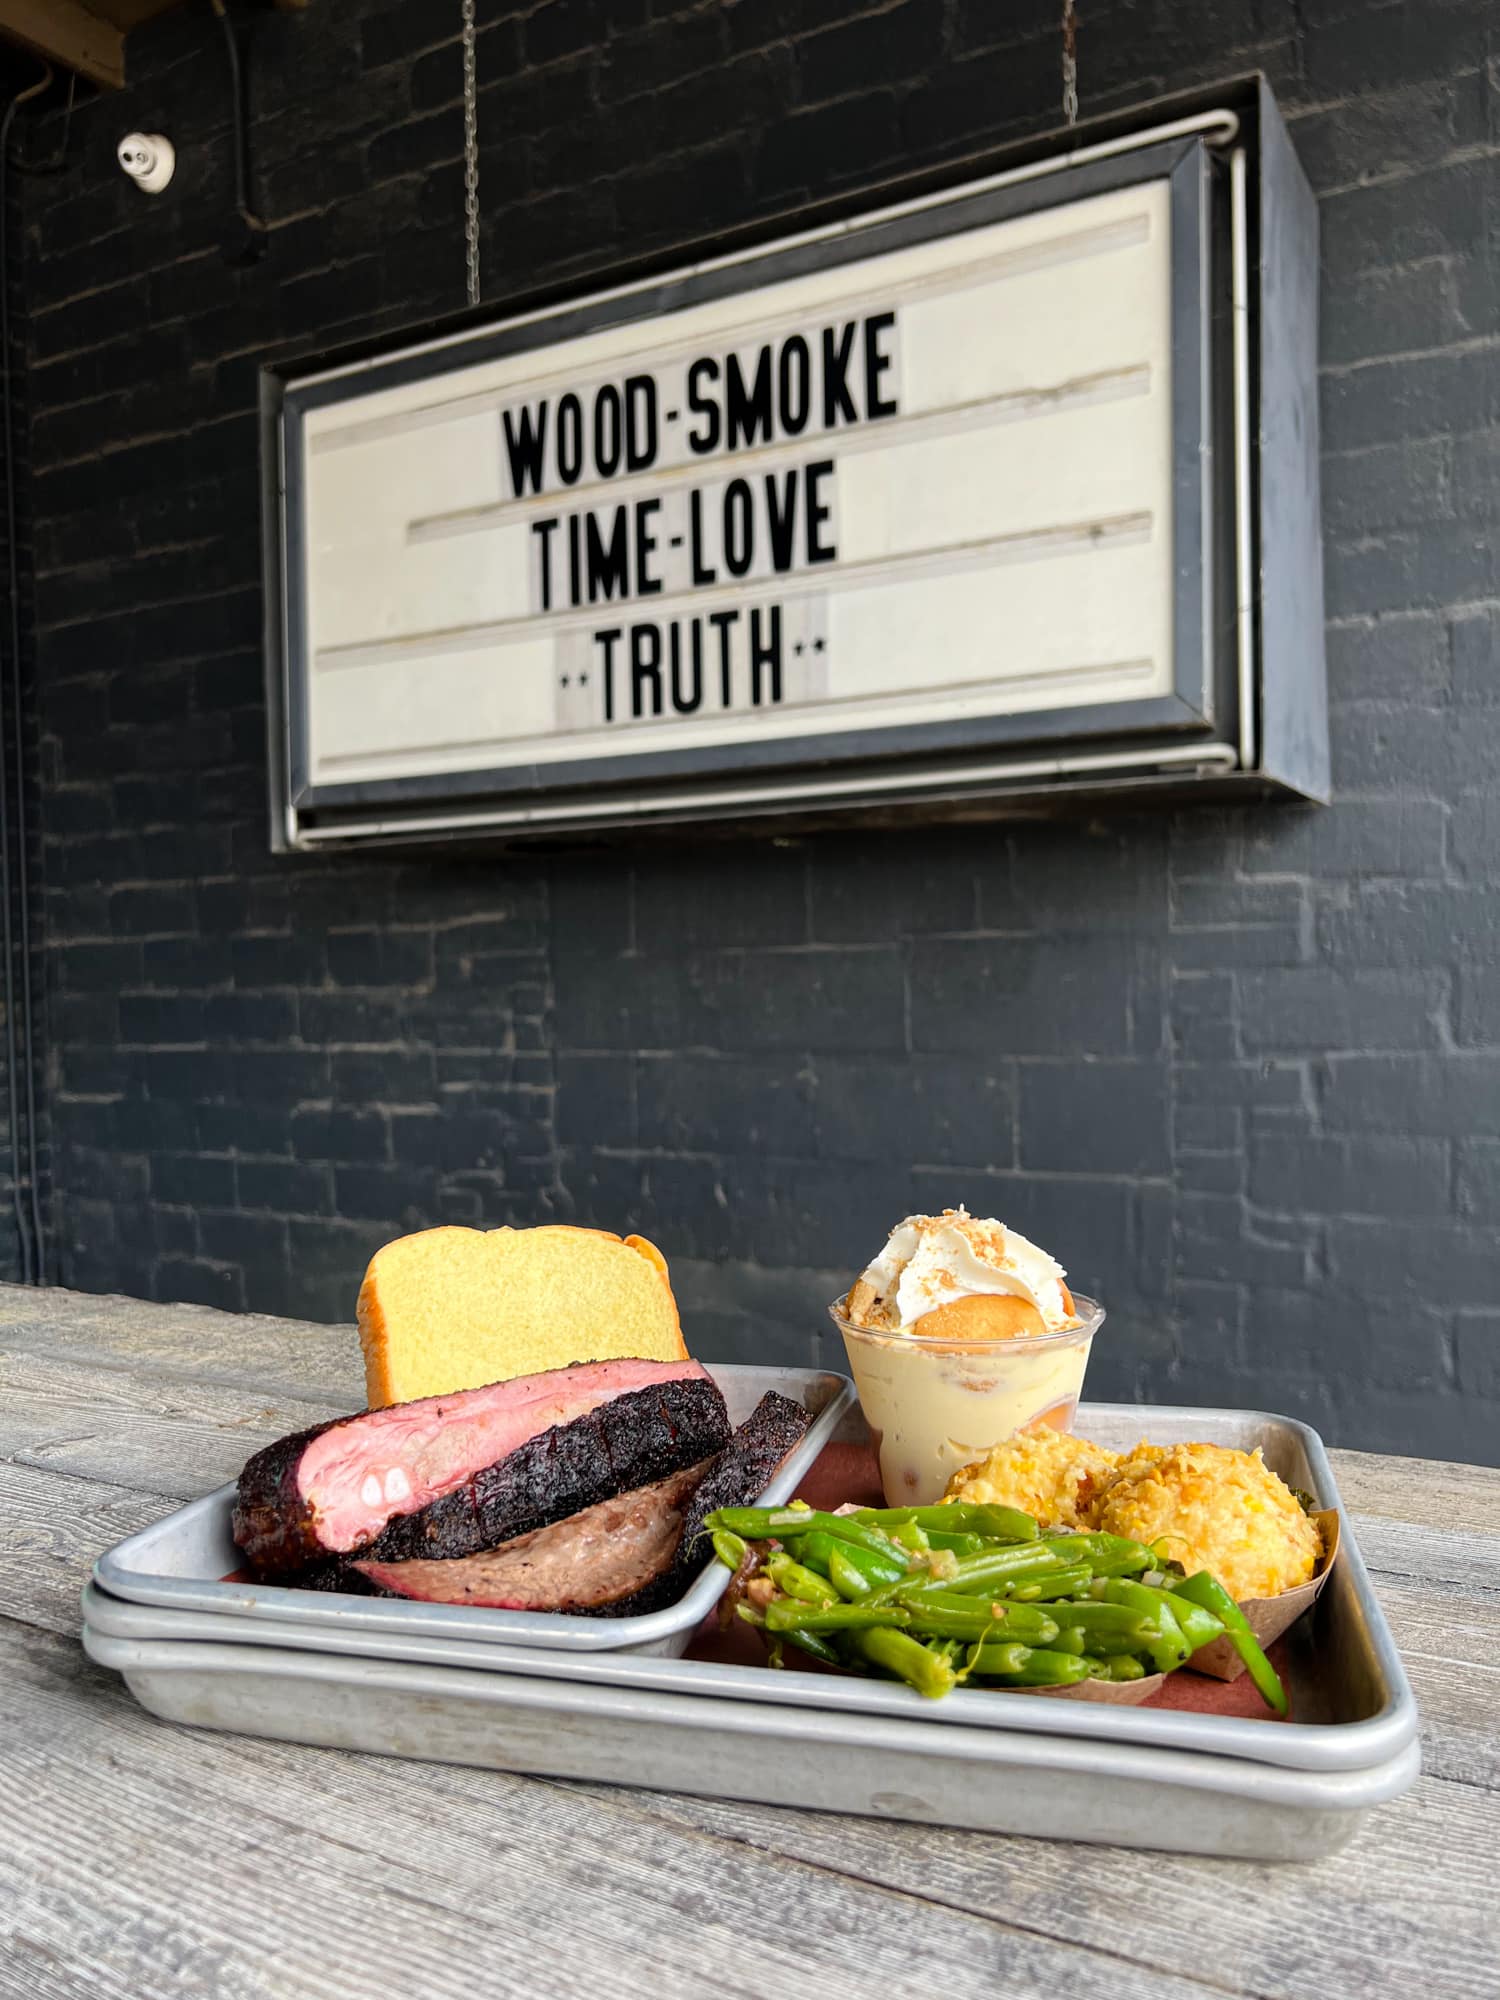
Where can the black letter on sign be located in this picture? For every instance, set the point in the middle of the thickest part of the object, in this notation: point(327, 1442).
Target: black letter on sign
point(608, 562)
point(607, 431)
point(765, 653)
point(739, 528)
point(569, 439)
point(701, 572)
point(543, 531)
point(706, 439)
point(605, 641)
point(838, 405)
point(876, 364)
point(525, 446)
point(747, 412)
point(721, 622)
point(645, 667)
point(793, 371)
point(818, 551)
point(640, 422)
point(646, 585)
point(687, 697)
point(781, 519)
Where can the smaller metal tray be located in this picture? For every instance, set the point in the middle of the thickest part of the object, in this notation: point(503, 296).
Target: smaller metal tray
point(181, 1562)
point(996, 1781)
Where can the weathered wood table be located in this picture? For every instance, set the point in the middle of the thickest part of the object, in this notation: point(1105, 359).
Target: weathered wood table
point(143, 1860)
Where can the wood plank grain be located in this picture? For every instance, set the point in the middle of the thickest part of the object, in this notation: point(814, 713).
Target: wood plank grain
point(1434, 1493)
point(264, 1869)
point(134, 1426)
point(51, 1529)
point(1406, 1908)
point(1409, 1549)
point(247, 1348)
point(1449, 1643)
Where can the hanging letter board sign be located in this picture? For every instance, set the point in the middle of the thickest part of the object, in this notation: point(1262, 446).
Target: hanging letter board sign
point(969, 497)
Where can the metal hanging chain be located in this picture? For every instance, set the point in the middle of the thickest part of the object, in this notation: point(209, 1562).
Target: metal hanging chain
point(1069, 64)
point(471, 155)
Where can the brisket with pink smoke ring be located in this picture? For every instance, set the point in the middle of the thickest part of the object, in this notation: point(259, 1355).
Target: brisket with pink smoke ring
point(633, 1441)
point(338, 1487)
point(630, 1553)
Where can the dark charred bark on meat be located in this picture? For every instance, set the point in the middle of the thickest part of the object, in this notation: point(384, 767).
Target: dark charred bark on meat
point(632, 1441)
point(740, 1474)
point(273, 1526)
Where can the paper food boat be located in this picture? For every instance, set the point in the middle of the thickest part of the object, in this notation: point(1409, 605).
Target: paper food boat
point(1269, 1617)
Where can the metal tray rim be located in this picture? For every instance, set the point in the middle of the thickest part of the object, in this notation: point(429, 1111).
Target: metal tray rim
point(1314, 1747)
point(1320, 1746)
point(113, 1570)
point(1353, 1790)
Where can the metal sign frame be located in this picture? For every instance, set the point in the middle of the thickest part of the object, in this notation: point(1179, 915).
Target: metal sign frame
point(1207, 725)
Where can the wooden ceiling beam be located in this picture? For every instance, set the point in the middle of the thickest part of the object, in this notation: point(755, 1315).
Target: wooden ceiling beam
point(64, 31)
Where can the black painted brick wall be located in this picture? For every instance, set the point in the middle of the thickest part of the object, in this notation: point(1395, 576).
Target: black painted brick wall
point(17, 698)
point(1241, 1069)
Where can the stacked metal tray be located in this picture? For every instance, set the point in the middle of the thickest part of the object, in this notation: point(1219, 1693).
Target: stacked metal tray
point(614, 1701)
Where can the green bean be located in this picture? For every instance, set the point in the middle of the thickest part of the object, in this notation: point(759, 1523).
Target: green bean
point(982, 1621)
point(730, 1549)
point(1111, 1620)
point(1019, 1619)
point(1051, 1584)
point(1170, 1648)
point(815, 1549)
point(1049, 1671)
point(809, 1642)
point(849, 1581)
point(1117, 1667)
point(1110, 1555)
point(1070, 1639)
point(756, 1523)
point(1001, 1524)
point(981, 1572)
point(959, 1545)
point(1205, 1590)
point(1199, 1625)
point(911, 1535)
point(798, 1582)
point(906, 1658)
point(785, 1614)
point(1002, 1658)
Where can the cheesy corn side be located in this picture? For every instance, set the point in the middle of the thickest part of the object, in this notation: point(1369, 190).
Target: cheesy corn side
point(1048, 1474)
point(1217, 1509)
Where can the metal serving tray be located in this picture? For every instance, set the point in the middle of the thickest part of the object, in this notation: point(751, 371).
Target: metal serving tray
point(992, 1780)
point(1352, 1700)
point(181, 1561)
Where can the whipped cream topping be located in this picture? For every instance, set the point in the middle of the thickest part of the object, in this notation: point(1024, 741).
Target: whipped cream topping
point(933, 1260)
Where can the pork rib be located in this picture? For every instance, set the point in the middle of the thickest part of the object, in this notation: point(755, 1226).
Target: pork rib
point(336, 1487)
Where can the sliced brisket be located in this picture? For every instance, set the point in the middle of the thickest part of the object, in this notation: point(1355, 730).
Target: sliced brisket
point(738, 1477)
point(589, 1562)
point(336, 1487)
point(633, 1552)
point(633, 1441)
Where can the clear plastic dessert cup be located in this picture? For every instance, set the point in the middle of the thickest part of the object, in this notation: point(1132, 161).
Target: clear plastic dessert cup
point(936, 1405)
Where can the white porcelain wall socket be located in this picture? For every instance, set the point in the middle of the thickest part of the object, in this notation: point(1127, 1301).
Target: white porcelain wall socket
point(148, 158)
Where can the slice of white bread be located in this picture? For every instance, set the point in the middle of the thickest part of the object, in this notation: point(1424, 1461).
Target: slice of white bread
point(449, 1309)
